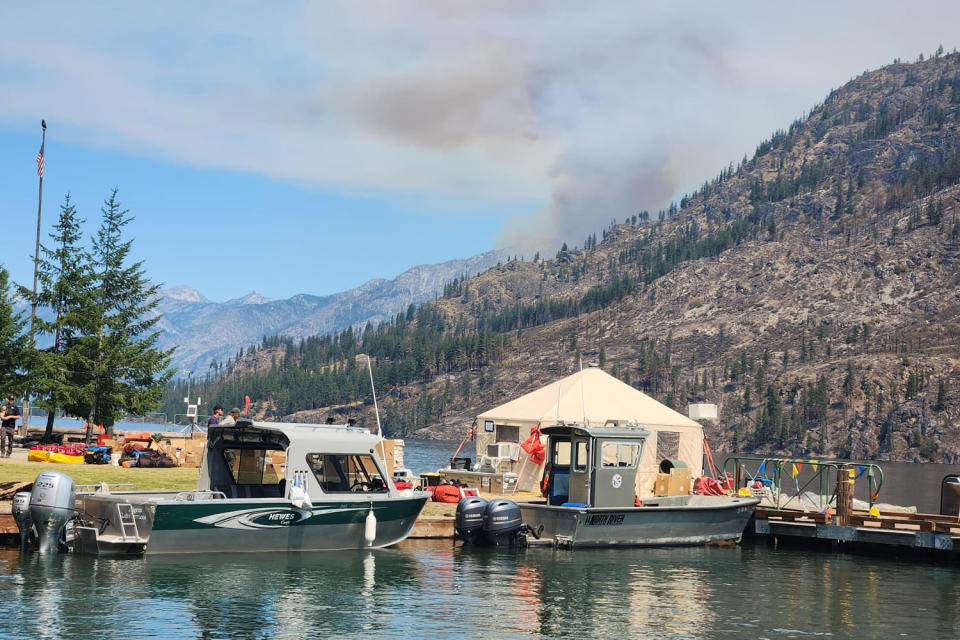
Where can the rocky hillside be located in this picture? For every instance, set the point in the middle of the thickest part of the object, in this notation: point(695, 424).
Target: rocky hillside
point(205, 331)
point(811, 291)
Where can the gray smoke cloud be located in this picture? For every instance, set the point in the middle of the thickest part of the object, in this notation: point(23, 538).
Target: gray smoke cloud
point(566, 114)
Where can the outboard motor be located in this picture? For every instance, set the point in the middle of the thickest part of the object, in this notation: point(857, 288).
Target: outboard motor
point(469, 522)
point(21, 513)
point(51, 506)
point(502, 523)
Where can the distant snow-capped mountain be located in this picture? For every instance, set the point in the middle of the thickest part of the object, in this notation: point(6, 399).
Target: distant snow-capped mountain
point(205, 331)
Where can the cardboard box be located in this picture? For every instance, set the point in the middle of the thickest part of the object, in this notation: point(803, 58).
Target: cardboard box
point(675, 483)
point(679, 482)
point(662, 485)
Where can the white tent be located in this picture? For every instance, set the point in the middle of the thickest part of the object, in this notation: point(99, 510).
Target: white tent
point(593, 397)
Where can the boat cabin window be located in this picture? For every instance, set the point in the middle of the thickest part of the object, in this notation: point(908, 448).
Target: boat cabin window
point(620, 454)
point(344, 473)
point(561, 452)
point(582, 453)
point(254, 466)
point(508, 433)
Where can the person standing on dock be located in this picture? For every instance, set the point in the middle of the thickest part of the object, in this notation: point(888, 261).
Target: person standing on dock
point(214, 420)
point(231, 420)
point(9, 412)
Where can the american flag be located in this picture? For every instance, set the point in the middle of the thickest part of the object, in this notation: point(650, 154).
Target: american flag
point(40, 162)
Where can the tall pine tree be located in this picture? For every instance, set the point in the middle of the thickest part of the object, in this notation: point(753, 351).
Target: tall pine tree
point(64, 276)
point(14, 345)
point(125, 371)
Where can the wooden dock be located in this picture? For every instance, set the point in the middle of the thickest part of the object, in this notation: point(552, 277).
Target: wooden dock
point(862, 531)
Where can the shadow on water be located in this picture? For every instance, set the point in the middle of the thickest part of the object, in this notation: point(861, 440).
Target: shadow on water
point(439, 590)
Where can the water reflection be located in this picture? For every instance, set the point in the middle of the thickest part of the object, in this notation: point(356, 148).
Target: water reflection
point(439, 590)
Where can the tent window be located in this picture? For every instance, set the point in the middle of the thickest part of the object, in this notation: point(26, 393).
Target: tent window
point(668, 445)
point(506, 433)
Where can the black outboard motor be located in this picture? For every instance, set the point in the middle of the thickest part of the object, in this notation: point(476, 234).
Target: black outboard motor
point(502, 523)
point(469, 522)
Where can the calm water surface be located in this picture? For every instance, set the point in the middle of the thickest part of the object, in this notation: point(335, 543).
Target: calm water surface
point(436, 590)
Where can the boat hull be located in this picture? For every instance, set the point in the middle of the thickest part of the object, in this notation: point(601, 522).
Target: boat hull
point(671, 521)
point(237, 525)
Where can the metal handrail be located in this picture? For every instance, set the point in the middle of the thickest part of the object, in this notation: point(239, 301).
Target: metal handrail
point(202, 494)
point(776, 465)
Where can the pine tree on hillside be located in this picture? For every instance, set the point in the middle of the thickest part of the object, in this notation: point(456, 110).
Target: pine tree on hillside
point(64, 276)
point(124, 370)
point(13, 342)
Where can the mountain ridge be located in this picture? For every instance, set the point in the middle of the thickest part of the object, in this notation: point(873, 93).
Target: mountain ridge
point(204, 331)
point(811, 292)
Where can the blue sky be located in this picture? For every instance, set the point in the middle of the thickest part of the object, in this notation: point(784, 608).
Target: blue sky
point(309, 147)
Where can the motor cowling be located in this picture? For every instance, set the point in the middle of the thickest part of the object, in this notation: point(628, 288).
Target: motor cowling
point(21, 514)
point(502, 522)
point(469, 521)
point(51, 507)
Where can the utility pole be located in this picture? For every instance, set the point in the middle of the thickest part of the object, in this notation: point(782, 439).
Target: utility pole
point(36, 261)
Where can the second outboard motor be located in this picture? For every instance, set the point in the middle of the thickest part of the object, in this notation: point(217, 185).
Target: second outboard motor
point(502, 523)
point(51, 506)
point(21, 514)
point(469, 522)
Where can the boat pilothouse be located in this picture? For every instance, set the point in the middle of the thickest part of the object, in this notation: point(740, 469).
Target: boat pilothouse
point(262, 486)
point(590, 490)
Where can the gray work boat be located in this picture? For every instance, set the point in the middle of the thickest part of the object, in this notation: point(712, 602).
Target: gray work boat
point(590, 497)
point(262, 487)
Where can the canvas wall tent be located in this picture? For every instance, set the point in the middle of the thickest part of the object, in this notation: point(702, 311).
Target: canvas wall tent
point(593, 397)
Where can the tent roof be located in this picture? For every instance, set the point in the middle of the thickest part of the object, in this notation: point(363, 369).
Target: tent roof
point(592, 396)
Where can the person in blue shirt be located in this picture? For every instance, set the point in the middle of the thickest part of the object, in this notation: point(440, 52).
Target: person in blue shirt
point(214, 420)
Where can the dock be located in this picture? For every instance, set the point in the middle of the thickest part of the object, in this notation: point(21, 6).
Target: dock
point(892, 532)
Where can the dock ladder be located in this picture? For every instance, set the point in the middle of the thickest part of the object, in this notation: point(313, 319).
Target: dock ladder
point(128, 520)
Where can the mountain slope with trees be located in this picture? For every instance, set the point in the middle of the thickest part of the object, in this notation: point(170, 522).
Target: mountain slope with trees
point(811, 291)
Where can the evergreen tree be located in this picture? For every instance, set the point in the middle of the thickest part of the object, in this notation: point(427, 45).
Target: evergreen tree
point(63, 273)
point(124, 371)
point(14, 344)
point(941, 396)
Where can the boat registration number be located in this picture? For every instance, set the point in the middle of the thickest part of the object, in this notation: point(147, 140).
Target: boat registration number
point(604, 519)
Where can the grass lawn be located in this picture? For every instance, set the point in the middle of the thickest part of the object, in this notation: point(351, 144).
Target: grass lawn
point(175, 479)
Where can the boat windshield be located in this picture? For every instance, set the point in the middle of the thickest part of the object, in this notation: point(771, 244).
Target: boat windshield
point(254, 466)
point(344, 473)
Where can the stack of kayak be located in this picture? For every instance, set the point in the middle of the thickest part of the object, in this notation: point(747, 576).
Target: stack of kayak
point(64, 453)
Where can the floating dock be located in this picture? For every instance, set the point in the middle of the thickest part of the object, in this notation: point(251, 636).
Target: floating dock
point(915, 531)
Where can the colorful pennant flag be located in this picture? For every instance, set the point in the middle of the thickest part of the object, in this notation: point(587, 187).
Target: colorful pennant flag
point(794, 471)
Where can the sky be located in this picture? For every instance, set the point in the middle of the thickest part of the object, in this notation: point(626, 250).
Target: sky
point(307, 147)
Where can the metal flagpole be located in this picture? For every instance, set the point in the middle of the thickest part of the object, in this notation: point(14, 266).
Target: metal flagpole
point(36, 262)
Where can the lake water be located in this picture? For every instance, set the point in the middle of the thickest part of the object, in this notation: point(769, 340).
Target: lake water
point(435, 589)
point(438, 590)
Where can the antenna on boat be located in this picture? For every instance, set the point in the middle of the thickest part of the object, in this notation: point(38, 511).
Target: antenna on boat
point(376, 409)
point(559, 388)
point(583, 402)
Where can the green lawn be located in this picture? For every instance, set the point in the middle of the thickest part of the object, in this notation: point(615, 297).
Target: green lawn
point(176, 479)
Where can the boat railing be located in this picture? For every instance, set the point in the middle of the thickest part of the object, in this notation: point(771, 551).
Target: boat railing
point(771, 475)
point(102, 487)
point(198, 496)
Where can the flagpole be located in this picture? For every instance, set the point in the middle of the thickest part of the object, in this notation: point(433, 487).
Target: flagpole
point(36, 261)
